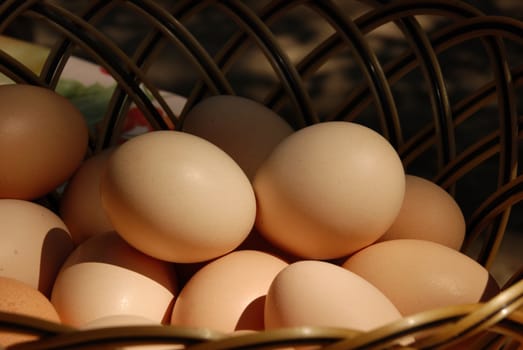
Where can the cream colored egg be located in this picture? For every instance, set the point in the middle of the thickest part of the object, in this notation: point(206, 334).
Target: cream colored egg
point(428, 212)
point(106, 276)
point(177, 197)
point(418, 275)
point(245, 129)
point(43, 140)
point(318, 293)
point(20, 298)
point(228, 294)
point(81, 205)
point(34, 243)
point(328, 190)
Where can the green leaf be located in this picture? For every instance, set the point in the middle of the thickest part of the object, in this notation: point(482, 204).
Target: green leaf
point(91, 100)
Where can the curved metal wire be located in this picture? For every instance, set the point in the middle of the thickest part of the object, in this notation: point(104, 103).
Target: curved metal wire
point(495, 322)
point(233, 47)
point(404, 331)
point(11, 9)
point(17, 71)
point(494, 311)
point(31, 325)
point(121, 336)
point(180, 36)
point(105, 52)
point(441, 107)
point(276, 55)
point(278, 338)
point(378, 84)
point(62, 50)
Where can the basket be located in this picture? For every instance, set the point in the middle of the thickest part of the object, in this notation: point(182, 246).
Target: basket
point(389, 54)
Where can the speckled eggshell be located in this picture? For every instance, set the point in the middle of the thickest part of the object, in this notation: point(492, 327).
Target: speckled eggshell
point(329, 190)
point(418, 275)
point(106, 276)
point(245, 129)
point(177, 197)
point(428, 212)
point(228, 294)
point(318, 293)
point(20, 298)
point(34, 243)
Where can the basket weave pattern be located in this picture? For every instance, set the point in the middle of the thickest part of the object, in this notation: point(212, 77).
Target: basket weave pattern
point(443, 147)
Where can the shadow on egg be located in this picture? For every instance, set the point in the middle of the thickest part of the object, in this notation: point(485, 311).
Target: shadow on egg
point(252, 317)
point(56, 247)
point(256, 241)
point(166, 320)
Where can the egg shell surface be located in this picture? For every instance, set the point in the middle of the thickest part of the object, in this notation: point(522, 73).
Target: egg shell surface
point(228, 294)
point(34, 243)
point(429, 213)
point(318, 293)
point(328, 190)
point(43, 140)
point(81, 205)
point(20, 298)
point(419, 275)
point(245, 129)
point(106, 276)
point(177, 197)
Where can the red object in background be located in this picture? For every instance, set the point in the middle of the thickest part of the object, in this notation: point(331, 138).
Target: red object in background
point(104, 71)
point(135, 118)
point(135, 124)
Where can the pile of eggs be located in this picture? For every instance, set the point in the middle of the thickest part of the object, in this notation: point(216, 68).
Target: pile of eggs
point(235, 222)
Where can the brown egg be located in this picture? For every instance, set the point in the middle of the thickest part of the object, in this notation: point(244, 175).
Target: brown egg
point(245, 129)
point(177, 197)
point(228, 294)
point(328, 190)
point(43, 139)
point(418, 275)
point(20, 298)
point(34, 242)
point(428, 212)
point(106, 276)
point(81, 204)
point(318, 293)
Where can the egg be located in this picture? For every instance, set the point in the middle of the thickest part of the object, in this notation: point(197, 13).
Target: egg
point(105, 276)
point(34, 243)
point(17, 297)
point(177, 197)
point(81, 205)
point(228, 294)
point(245, 129)
point(319, 293)
point(329, 190)
point(419, 275)
point(428, 212)
point(43, 139)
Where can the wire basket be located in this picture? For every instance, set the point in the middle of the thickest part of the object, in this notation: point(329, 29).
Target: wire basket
point(389, 55)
